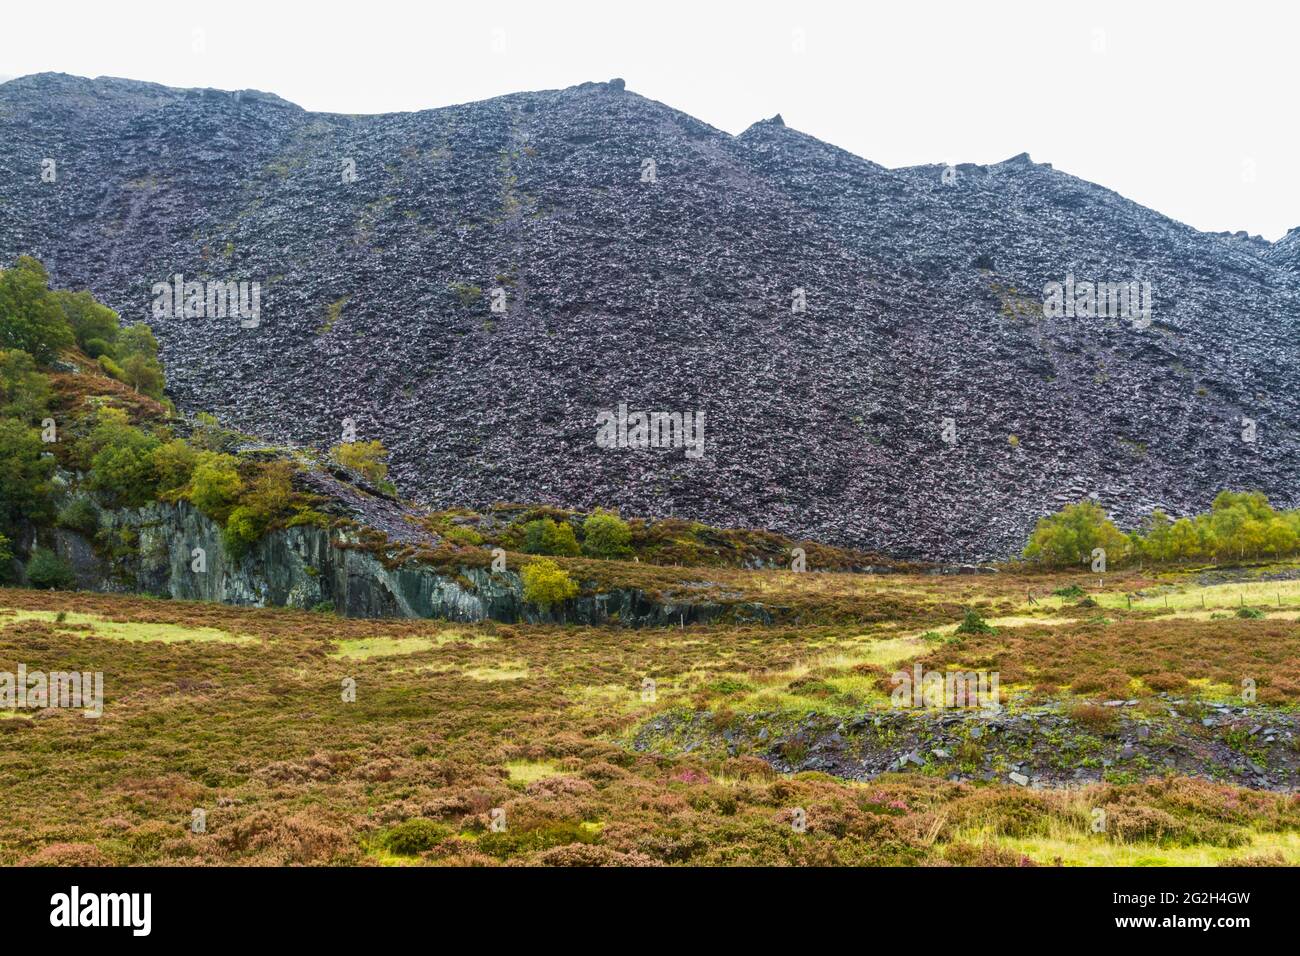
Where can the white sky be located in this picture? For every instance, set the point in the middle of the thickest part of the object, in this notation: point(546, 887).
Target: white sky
point(1188, 108)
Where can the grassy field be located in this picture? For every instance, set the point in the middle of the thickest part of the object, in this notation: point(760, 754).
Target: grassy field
point(492, 744)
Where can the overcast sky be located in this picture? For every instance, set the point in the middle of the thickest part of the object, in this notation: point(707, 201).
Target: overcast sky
point(1185, 107)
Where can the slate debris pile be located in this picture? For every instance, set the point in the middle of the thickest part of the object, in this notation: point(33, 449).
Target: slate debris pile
point(668, 287)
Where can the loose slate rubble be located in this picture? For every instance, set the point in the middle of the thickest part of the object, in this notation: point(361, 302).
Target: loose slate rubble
point(1044, 748)
point(923, 290)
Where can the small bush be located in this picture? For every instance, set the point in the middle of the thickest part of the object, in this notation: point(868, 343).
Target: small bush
point(413, 837)
point(460, 534)
point(546, 583)
point(1094, 717)
point(973, 623)
point(366, 458)
point(47, 571)
point(1165, 681)
point(80, 514)
point(1250, 612)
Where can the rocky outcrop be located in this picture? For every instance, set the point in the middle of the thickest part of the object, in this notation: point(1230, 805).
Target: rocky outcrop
point(645, 257)
point(1252, 746)
point(175, 551)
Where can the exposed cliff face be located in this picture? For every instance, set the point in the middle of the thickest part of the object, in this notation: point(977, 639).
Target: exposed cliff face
point(306, 566)
point(923, 290)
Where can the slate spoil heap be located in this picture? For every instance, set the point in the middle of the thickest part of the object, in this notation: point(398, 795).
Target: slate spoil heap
point(667, 286)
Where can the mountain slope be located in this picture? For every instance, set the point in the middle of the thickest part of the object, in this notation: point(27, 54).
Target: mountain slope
point(924, 303)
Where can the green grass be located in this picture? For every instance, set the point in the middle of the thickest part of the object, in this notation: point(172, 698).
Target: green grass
point(367, 647)
point(528, 771)
point(127, 631)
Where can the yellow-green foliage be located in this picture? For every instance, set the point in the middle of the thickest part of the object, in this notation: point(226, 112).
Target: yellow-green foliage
point(546, 583)
point(606, 535)
point(364, 457)
point(1239, 524)
point(174, 463)
point(268, 497)
point(1069, 536)
point(215, 485)
point(547, 536)
point(30, 317)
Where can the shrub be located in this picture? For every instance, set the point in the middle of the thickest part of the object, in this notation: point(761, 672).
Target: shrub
point(546, 583)
point(97, 347)
point(111, 368)
point(94, 326)
point(467, 293)
point(364, 457)
point(412, 837)
point(1249, 612)
point(243, 529)
point(210, 435)
point(46, 570)
point(1094, 717)
point(173, 464)
point(123, 470)
point(460, 534)
point(215, 485)
point(80, 514)
point(973, 623)
point(546, 536)
point(1165, 681)
point(606, 535)
point(133, 360)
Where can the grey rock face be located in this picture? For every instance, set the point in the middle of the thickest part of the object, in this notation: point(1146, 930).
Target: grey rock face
point(305, 566)
point(923, 291)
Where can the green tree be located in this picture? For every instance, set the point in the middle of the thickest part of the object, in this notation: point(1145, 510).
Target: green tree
point(24, 391)
point(267, 499)
point(546, 536)
point(137, 356)
point(30, 318)
point(174, 463)
point(122, 471)
point(215, 485)
point(6, 559)
point(606, 535)
point(1071, 535)
point(1184, 541)
point(1156, 540)
point(89, 321)
point(25, 472)
point(546, 583)
point(46, 570)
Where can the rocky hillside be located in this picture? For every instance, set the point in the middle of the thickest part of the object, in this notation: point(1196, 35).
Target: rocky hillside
point(378, 242)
